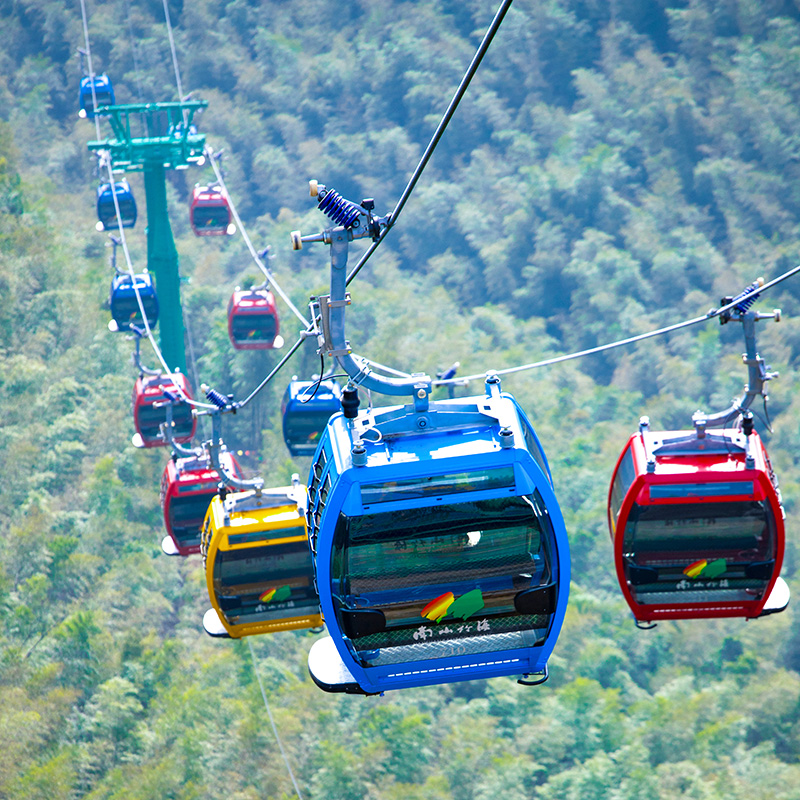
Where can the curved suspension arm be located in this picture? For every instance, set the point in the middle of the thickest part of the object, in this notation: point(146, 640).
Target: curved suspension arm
point(358, 371)
point(167, 430)
point(356, 222)
point(757, 374)
point(138, 333)
point(214, 446)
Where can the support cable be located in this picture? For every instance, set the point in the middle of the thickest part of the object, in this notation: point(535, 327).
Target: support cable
point(193, 364)
point(272, 721)
point(174, 53)
point(91, 68)
point(133, 51)
point(426, 156)
point(275, 370)
point(147, 329)
point(450, 111)
point(259, 263)
point(105, 160)
point(712, 314)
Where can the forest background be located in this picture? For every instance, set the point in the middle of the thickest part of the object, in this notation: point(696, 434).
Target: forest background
point(616, 166)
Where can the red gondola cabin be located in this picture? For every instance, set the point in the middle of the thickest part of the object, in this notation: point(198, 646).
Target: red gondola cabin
point(253, 319)
point(150, 410)
point(210, 211)
point(697, 526)
point(187, 487)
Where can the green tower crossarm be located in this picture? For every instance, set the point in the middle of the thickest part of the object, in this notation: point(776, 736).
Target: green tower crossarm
point(152, 132)
point(151, 138)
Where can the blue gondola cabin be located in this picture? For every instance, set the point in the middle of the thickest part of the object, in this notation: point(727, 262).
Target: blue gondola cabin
point(107, 209)
point(99, 90)
point(306, 413)
point(441, 551)
point(126, 292)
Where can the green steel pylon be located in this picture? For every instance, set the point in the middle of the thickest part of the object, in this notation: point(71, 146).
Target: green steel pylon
point(153, 138)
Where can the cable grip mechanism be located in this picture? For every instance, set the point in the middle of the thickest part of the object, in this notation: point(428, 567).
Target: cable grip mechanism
point(345, 214)
point(325, 336)
point(221, 401)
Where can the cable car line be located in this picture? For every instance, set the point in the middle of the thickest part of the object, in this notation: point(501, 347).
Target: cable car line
point(711, 314)
point(104, 160)
point(133, 51)
point(91, 68)
point(147, 329)
point(426, 156)
point(174, 53)
point(212, 157)
point(392, 218)
point(714, 312)
point(272, 721)
point(379, 644)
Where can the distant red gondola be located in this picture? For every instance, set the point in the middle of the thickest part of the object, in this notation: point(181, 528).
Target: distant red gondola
point(149, 409)
point(253, 319)
point(210, 211)
point(187, 487)
point(697, 525)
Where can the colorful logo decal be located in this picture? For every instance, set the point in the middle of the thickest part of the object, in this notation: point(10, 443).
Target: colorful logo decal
point(276, 594)
point(467, 605)
point(693, 570)
point(704, 569)
point(447, 605)
point(437, 609)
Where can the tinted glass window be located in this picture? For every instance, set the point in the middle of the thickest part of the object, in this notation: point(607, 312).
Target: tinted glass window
point(187, 514)
point(534, 449)
point(211, 217)
point(437, 485)
point(253, 327)
point(150, 418)
point(265, 583)
point(622, 482)
point(304, 427)
point(733, 529)
point(699, 552)
point(444, 577)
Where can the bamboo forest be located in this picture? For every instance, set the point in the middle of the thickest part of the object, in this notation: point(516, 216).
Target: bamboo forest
point(527, 526)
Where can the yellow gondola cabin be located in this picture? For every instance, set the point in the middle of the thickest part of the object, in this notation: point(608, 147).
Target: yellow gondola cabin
point(258, 564)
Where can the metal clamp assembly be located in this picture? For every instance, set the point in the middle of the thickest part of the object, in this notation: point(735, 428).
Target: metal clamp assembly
point(758, 372)
point(355, 221)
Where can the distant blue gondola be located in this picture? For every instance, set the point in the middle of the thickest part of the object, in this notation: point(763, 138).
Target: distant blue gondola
point(103, 94)
point(306, 413)
point(106, 209)
point(441, 550)
point(124, 303)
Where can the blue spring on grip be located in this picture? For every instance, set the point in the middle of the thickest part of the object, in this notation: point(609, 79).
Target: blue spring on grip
point(341, 211)
point(218, 399)
point(745, 304)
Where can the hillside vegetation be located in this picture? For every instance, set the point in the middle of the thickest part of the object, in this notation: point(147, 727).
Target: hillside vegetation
point(615, 167)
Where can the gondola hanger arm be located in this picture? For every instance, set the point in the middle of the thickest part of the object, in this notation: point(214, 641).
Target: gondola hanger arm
point(354, 221)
